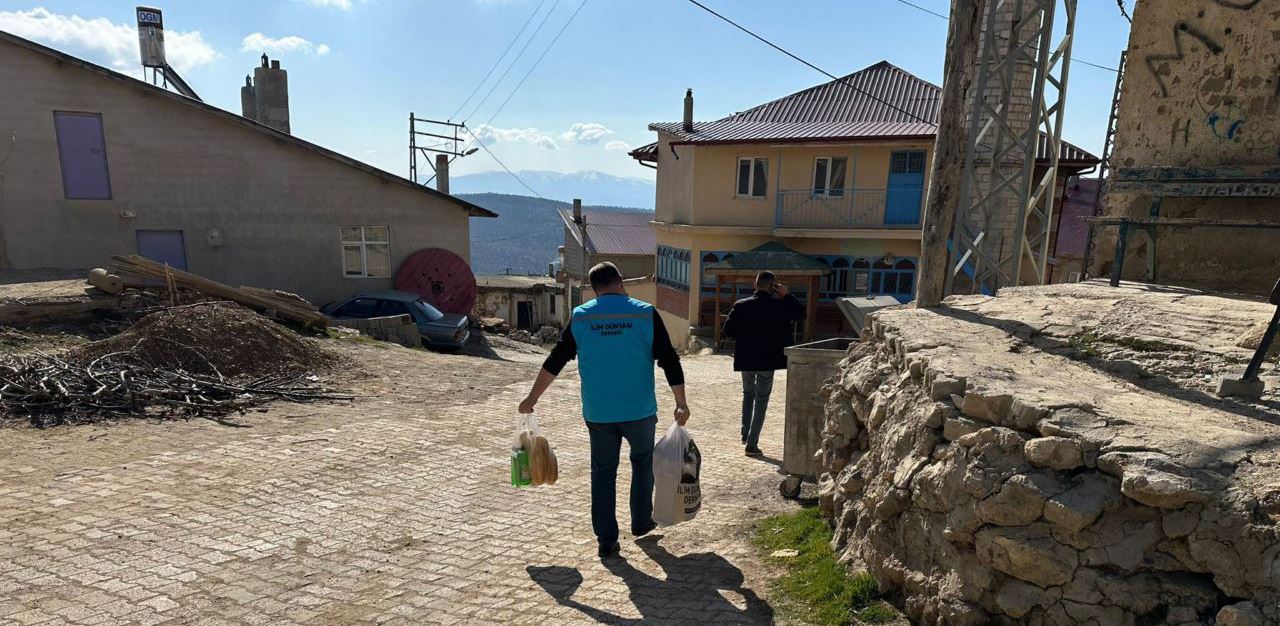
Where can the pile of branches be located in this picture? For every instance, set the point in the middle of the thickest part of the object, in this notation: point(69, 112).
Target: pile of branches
point(49, 390)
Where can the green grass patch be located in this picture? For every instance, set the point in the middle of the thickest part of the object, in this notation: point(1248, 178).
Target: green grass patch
point(816, 589)
point(1085, 344)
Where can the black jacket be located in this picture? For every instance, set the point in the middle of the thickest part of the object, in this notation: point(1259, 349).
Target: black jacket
point(761, 326)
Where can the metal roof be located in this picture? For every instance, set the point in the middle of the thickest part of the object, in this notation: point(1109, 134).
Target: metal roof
point(615, 232)
point(61, 57)
point(884, 102)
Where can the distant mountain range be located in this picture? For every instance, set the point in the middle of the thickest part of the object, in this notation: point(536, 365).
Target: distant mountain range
point(595, 188)
point(523, 238)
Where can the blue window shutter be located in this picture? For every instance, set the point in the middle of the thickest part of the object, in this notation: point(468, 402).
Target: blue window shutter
point(82, 151)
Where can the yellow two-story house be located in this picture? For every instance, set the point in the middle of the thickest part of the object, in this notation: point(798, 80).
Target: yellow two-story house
point(837, 172)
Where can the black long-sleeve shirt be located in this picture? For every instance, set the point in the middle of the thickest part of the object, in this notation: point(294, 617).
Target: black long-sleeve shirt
point(567, 350)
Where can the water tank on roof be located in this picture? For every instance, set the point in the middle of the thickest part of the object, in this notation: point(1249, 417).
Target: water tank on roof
point(151, 36)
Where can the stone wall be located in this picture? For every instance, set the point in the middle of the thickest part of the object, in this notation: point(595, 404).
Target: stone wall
point(1201, 90)
point(973, 504)
point(394, 328)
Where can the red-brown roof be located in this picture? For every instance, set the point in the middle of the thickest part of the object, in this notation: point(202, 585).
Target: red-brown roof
point(615, 232)
point(874, 104)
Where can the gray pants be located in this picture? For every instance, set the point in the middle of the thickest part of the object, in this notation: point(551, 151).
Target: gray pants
point(756, 387)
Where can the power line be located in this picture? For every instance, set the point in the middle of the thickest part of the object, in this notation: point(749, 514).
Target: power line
point(498, 61)
point(929, 11)
point(1124, 12)
point(537, 61)
point(810, 65)
point(1073, 59)
point(517, 88)
point(515, 59)
point(503, 165)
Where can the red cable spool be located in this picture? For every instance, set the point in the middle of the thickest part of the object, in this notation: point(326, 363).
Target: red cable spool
point(442, 278)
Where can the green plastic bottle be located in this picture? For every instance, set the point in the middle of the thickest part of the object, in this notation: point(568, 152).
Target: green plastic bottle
point(520, 476)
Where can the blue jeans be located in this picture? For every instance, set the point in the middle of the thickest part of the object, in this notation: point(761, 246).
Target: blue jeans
point(606, 444)
point(756, 387)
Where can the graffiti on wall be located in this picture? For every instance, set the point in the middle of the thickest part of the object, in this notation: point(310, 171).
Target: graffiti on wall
point(1225, 100)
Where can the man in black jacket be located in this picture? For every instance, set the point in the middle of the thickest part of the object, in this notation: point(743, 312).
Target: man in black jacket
point(761, 326)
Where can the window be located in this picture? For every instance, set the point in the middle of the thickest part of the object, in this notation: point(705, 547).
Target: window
point(82, 153)
point(551, 304)
point(894, 279)
point(828, 176)
point(366, 251)
point(673, 267)
point(360, 308)
point(394, 307)
point(753, 177)
point(861, 276)
point(907, 162)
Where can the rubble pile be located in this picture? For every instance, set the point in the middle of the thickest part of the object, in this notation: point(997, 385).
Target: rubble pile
point(983, 476)
point(214, 338)
point(203, 360)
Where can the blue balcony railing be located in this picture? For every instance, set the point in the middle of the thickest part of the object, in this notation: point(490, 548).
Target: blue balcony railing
point(857, 208)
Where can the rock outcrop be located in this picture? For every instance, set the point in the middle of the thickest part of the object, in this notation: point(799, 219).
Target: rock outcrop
point(983, 478)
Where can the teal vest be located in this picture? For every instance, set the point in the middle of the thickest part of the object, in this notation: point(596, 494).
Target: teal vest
point(614, 334)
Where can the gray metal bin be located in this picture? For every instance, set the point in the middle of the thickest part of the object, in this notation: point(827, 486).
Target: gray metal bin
point(808, 365)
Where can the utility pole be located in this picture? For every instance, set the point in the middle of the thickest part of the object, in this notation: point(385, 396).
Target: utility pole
point(581, 221)
point(948, 151)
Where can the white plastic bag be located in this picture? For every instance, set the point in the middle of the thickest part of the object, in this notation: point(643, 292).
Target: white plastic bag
point(677, 466)
point(532, 460)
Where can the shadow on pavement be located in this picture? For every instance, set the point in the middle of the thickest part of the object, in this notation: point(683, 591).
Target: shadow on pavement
point(690, 594)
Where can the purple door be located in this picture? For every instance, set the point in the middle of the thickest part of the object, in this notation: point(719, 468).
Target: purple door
point(163, 246)
point(82, 152)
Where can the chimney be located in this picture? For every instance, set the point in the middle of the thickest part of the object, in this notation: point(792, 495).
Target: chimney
point(577, 211)
point(270, 93)
point(442, 173)
point(248, 99)
point(688, 111)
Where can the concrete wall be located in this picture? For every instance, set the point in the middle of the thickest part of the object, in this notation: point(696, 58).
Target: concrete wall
point(1217, 104)
point(713, 200)
point(504, 303)
point(276, 207)
point(674, 200)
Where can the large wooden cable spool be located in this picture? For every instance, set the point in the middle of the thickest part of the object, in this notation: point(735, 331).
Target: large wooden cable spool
point(441, 278)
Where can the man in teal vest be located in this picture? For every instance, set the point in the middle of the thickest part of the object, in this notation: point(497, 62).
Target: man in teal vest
point(617, 339)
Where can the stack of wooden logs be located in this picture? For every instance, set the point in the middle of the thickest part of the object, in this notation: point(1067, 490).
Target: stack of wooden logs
point(133, 271)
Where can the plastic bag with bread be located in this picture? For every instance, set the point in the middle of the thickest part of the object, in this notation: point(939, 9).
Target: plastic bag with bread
point(543, 467)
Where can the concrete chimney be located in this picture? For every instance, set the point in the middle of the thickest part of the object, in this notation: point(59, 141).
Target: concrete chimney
point(688, 111)
point(577, 211)
point(248, 99)
point(270, 91)
point(442, 173)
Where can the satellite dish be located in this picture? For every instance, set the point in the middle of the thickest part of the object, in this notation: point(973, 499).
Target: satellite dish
point(441, 278)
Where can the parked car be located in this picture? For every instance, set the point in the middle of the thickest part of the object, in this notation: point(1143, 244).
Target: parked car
point(444, 331)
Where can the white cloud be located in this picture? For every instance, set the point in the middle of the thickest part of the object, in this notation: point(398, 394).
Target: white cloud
point(526, 135)
point(110, 43)
point(258, 42)
point(586, 133)
point(345, 5)
point(621, 146)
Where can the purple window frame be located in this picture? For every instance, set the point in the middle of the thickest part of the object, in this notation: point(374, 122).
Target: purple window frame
point(99, 192)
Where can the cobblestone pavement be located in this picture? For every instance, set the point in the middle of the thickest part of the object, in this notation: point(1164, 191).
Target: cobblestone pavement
point(396, 509)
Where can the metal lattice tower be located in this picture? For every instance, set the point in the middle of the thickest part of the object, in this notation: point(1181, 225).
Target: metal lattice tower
point(1104, 168)
point(1005, 210)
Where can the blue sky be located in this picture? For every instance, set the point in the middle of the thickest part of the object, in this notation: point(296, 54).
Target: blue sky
point(358, 67)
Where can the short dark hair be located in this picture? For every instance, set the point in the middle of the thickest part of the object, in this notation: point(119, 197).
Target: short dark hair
point(604, 275)
point(765, 279)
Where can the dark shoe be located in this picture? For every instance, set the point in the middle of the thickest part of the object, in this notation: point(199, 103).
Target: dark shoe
point(610, 550)
point(754, 451)
point(644, 530)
